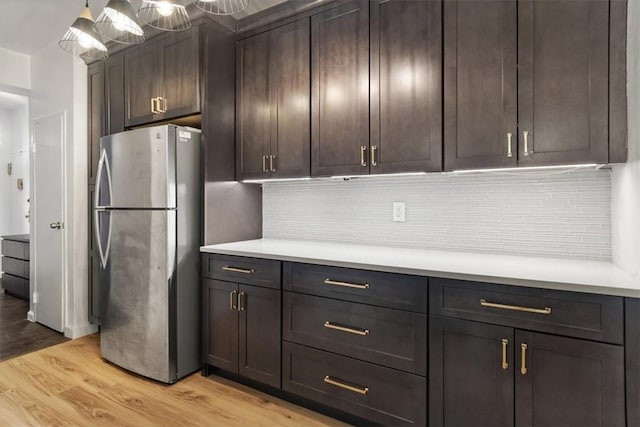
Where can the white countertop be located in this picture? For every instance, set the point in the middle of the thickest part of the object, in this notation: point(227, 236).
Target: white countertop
point(551, 273)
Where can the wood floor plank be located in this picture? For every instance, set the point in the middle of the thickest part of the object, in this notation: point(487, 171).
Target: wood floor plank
point(69, 384)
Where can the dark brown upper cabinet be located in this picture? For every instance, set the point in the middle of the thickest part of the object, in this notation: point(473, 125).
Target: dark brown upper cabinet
point(95, 116)
point(406, 86)
point(527, 83)
point(563, 100)
point(162, 78)
point(340, 90)
point(114, 94)
point(480, 83)
point(273, 103)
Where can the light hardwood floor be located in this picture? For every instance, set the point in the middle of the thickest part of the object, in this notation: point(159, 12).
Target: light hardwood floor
point(69, 384)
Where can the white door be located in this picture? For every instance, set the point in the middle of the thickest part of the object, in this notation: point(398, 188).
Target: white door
point(47, 197)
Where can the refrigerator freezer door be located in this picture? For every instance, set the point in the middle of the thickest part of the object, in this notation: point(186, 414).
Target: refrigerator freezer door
point(139, 169)
point(138, 326)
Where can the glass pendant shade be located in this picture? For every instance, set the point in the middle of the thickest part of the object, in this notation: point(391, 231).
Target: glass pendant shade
point(222, 7)
point(164, 15)
point(118, 22)
point(82, 40)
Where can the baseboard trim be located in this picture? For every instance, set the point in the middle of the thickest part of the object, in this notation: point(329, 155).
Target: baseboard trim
point(80, 331)
point(31, 316)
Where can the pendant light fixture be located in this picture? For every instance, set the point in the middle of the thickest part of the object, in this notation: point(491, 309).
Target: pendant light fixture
point(118, 22)
point(82, 40)
point(222, 7)
point(164, 15)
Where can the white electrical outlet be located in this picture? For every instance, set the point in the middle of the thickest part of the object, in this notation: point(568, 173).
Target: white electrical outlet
point(399, 211)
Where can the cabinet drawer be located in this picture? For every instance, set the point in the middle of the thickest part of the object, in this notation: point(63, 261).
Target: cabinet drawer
point(595, 317)
point(252, 271)
point(370, 287)
point(392, 338)
point(16, 286)
point(379, 394)
point(15, 249)
point(16, 267)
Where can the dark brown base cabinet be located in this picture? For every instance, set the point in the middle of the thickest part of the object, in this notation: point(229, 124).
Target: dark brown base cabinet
point(242, 325)
point(480, 373)
point(396, 349)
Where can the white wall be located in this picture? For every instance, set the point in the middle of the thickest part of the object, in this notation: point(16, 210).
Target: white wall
point(59, 84)
point(550, 214)
point(625, 206)
point(15, 69)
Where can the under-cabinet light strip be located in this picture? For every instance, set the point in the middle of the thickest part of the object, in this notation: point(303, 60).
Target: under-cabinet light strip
point(455, 172)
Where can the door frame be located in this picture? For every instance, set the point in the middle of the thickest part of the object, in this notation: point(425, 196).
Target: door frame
point(32, 314)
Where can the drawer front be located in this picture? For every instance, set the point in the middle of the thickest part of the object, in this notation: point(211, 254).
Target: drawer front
point(372, 392)
point(370, 287)
point(596, 317)
point(393, 338)
point(16, 267)
point(15, 249)
point(16, 286)
point(253, 271)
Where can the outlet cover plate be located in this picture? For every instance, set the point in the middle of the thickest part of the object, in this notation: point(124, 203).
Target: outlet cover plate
point(399, 212)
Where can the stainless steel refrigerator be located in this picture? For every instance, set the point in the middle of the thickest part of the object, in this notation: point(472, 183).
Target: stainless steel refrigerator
point(147, 216)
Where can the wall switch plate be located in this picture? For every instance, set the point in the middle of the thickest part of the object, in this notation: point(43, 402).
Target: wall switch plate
point(399, 209)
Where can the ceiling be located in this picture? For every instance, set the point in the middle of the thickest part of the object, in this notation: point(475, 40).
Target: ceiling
point(27, 26)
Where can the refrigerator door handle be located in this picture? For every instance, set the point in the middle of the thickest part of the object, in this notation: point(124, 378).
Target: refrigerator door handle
point(103, 163)
point(104, 254)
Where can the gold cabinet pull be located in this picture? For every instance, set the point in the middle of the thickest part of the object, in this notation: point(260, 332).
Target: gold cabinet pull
point(264, 164)
point(546, 310)
point(232, 299)
point(238, 270)
point(339, 383)
point(509, 152)
point(154, 108)
point(363, 155)
point(271, 158)
point(163, 105)
point(346, 284)
point(241, 301)
point(374, 149)
point(356, 331)
point(505, 364)
point(525, 135)
point(523, 362)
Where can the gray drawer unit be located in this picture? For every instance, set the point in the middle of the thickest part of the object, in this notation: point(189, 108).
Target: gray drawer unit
point(16, 286)
point(393, 338)
point(252, 271)
point(376, 393)
point(16, 267)
point(589, 316)
point(391, 290)
point(15, 249)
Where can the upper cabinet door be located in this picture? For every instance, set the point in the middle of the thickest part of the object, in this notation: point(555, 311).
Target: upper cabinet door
point(253, 108)
point(140, 76)
point(114, 85)
point(340, 90)
point(96, 116)
point(406, 86)
point(563, 81)
point(290, 80)
point(480, 83)
point(179, 74)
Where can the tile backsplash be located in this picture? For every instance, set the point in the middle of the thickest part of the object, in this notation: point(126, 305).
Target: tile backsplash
point(553, 213)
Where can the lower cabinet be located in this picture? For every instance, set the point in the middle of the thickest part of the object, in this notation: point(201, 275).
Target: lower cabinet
point(243, 330)
point(503, 376)
point(373, 392)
